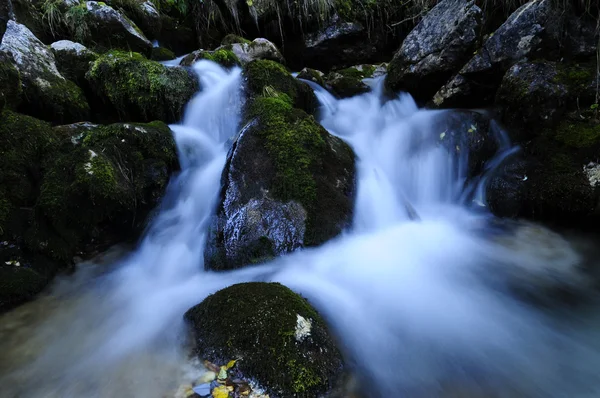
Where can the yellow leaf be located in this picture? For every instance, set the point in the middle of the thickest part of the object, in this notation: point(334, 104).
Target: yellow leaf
point(220, 392)
point(230, 364)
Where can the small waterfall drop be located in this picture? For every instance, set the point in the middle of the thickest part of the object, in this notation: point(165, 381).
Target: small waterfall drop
point(416, 290)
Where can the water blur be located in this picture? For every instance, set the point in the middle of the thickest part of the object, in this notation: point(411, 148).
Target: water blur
point(423, 291)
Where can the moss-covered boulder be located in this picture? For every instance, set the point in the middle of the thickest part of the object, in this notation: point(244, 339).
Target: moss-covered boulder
point(231, 39)
point(161, 54)
point(24, 143)
point(137, 89)
point(10, 82)
point(313, 75)
point(436, 49)
point(224, 56)
point(287, 184)
point(349, 82)
point(100, 185)
point(22, 275)
point(47, 94)
point(73, 59)
point(536, 95)
point(263, 76)
point(279, 339)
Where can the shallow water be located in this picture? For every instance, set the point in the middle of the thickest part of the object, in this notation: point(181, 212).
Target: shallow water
point(421, 290)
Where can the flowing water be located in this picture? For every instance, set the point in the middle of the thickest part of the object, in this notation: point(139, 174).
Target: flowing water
point(419, 290)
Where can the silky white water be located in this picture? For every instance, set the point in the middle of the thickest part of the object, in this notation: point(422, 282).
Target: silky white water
point(418, 290)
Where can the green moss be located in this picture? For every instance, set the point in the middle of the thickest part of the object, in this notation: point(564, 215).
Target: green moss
point(312, 75)
point(360, 72)
point(231, 39)
point(261, 73)
point(74, 65)
point(576, 77)
point(348, 84)
point(222, 56)
point(578, 134)
point(257, 322)
point(295, 143)
point(139, 89)
point(78, 24)
point(161, 54)
point(10, 83)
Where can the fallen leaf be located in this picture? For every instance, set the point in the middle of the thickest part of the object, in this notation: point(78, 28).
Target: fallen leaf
point(230, 364)
point(220, 392)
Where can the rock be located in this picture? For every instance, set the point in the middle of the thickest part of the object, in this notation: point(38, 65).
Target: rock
point(524, 34)
point(161, 54)
point(73, 59)
point(349, 82)
point(24, 142)
point(223, 56)
point(143, 13)
point(30, 14)
point(10, 83)
point(6, 13)
point(22, 275)
point(111, 29)
point(315, 76)
point(339, 44)
point(281, 341)
point(47, 94)
point(266, 75)
point(535, 95)
point(137, 89)
point(100, 184)
point(545, 184)
point(231, 39)
point(257, 49)
point(287, 183)
point(436, 48)
point(469, 136)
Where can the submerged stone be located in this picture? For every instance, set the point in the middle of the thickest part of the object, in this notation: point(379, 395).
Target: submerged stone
point(258, 323)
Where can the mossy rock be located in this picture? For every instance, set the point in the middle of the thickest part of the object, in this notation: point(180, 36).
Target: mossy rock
point(137, 89)
point(288, 183)
point(22, 275)
point(24, 141)
point(73, 60)
point(346, 86)
point(231, 39)
point(161, 54)
point(100, 186)
point(223, 56)
point(261, 75)
point(10, 83)
point(312, 75)
point(279, 339)
point(581, 135)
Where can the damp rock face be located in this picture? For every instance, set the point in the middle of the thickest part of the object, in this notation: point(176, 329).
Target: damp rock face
point(278, 338)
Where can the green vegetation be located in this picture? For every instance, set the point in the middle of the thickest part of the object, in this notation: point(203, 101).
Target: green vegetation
point(139, 89)
point(578, 134)
point(231, 39)
point(257, 323)
point(161, 54)
point(10, 83)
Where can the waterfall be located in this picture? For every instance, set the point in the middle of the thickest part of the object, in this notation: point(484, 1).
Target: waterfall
point(419, 290)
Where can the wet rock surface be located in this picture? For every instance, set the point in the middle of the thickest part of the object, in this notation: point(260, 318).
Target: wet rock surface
point(278, 338)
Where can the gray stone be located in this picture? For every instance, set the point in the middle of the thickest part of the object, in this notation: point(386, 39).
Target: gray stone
point(258, 49)
point(113, 29)
point(438, 46)
point(48, 95)
point(72, 59)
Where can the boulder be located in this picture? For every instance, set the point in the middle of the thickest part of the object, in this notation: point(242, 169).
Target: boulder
point(257, 49)
point(10, 83)
point(287, 184)
point(525, 34)
point(349, 82)
point(231, 39)
point(281, 342)
point(224, 56)
point(134, 88)
point(436, 48)
point(99, 185)
point(143, 13)
point(313, 75)
point(161, 54)
point(22, 275)
point(111, 29)
point(47, 94)
point(338, 44)
point(73, 59)
point(265, 75)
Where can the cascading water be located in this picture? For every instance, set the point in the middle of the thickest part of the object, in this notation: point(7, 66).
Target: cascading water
point(417, 290)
